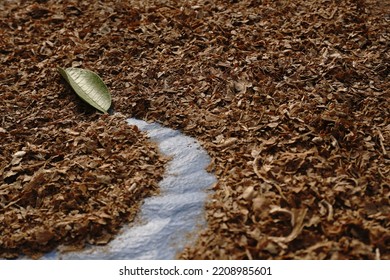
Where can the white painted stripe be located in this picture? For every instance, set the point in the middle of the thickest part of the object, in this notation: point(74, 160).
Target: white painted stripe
point(170, 221)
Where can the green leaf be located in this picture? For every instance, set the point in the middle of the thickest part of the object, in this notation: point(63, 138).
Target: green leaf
point(88, 86)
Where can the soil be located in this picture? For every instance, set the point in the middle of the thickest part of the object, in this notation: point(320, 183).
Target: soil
point(289, 98)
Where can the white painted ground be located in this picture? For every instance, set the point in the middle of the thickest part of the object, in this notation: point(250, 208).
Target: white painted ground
point(170, 221)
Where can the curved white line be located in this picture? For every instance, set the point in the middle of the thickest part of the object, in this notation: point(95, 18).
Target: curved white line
point(170, 218)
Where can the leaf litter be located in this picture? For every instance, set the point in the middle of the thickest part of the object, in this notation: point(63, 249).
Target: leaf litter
point(74, 186)
point(290, 99)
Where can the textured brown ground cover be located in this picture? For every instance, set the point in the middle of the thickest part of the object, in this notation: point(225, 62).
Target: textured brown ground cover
point(290, 98)
point(68, 175)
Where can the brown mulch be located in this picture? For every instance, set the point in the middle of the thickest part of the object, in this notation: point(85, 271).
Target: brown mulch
point(69, 176)
point(290, 99)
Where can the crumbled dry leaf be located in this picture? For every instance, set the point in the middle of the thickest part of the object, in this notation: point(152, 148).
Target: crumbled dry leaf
point(76, 193)
point(290, 99)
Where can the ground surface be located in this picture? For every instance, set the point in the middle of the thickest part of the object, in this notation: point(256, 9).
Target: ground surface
point(290, 99)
